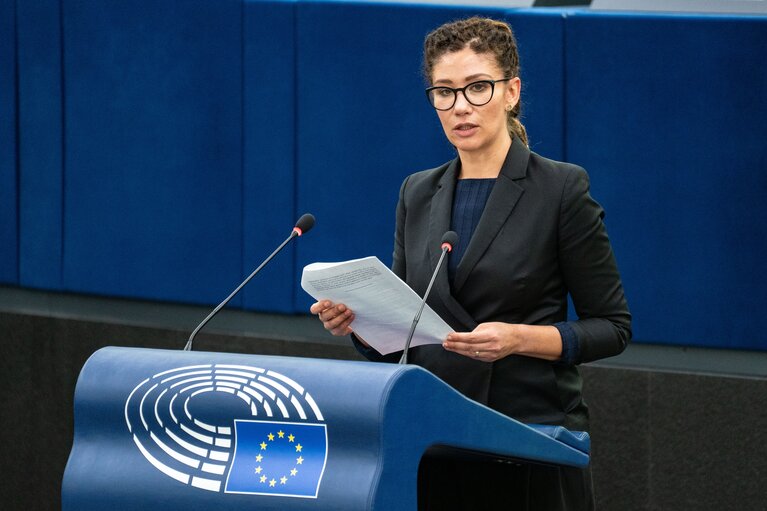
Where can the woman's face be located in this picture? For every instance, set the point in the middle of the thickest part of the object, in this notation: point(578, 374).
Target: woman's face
point(468, 127)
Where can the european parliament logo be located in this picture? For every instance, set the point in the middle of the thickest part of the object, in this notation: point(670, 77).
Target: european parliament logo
point(230, 428)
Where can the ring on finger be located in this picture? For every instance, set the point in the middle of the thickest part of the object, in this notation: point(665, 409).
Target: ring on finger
point(476, 353)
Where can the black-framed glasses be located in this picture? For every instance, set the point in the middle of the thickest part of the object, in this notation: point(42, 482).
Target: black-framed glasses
point(477, 93)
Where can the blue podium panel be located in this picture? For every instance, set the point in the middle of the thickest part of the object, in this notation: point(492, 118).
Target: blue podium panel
point(9, 272)
point(668, 115)
point(269, 151)
point(153, 136)
point(169, 430)
point(40, 143)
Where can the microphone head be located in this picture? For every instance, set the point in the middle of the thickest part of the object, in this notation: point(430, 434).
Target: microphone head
point(304, 224)
point(449, 239)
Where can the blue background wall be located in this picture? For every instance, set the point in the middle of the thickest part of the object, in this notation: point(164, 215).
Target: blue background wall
point(40, 143)
point(8, 183)
point(269, 153)
point(153, 148)
point(668, 115)
point(160, 150)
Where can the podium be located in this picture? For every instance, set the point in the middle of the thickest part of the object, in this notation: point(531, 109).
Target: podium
point(168, 430)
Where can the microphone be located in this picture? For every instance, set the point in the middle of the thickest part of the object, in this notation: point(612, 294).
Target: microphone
point(449, 239)
point(303, 225)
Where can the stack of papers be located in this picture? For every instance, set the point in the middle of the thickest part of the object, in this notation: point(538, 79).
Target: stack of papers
point(383, 305)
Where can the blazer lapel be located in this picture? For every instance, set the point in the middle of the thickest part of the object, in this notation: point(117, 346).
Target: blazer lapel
point(499, 206)
point(439, 223)
point(439, 215)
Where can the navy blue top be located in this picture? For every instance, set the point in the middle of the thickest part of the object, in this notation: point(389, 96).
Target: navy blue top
point(468, 204)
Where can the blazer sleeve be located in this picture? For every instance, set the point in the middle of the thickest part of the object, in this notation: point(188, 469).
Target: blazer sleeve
point(398, 265)
point(590, 273)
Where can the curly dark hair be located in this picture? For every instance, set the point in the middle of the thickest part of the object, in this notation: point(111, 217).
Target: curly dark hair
point(482, 35)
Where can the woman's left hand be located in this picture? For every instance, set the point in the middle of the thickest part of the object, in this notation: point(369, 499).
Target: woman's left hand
point(488, 342)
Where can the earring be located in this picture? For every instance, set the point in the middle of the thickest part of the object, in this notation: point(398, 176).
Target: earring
point(509, 108)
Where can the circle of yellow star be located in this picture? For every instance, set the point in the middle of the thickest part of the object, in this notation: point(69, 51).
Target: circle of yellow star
point(284, 479)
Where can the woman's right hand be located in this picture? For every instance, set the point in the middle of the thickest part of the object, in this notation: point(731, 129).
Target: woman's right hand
point(336, 318)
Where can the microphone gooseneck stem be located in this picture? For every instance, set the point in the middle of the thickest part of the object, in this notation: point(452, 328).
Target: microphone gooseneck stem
point(188, 346)
point(417, 317)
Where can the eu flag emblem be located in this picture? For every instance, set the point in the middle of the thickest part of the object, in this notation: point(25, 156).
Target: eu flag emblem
point(278, 458)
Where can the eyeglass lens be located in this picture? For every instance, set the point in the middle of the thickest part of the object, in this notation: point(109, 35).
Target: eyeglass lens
point(477, 93)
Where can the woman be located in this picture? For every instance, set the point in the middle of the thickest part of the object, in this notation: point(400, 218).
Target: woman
point(529, 234)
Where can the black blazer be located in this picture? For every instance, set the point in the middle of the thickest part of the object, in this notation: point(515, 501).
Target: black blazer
point(540, 236)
